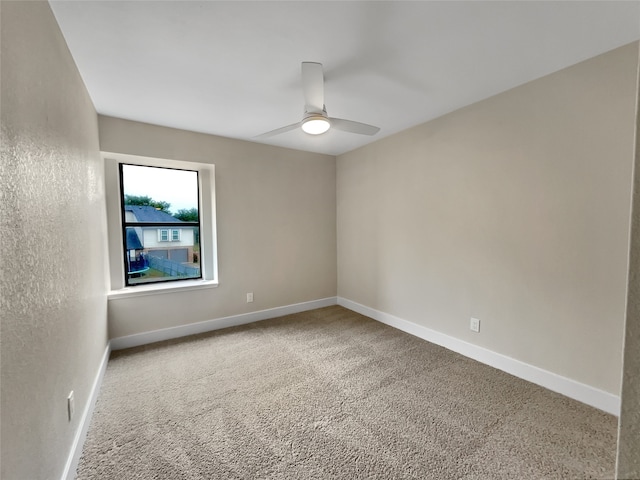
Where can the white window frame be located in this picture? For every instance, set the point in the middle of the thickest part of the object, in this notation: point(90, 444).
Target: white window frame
point(177, 237)
point(208, 244)
point(160, 236)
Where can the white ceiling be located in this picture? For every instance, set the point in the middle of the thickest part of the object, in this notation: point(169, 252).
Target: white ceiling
point(233, 68)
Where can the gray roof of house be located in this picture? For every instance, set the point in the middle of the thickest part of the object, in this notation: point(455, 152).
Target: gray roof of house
point(150, 214)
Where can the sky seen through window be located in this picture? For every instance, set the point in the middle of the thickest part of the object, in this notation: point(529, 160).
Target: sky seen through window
point(177, 187)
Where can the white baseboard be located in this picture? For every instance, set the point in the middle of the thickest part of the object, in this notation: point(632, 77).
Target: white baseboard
point(70, 467)
point(216, 324)
point(578, 391)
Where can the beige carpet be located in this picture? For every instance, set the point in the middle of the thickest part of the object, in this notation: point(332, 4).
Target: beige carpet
point(332, 394)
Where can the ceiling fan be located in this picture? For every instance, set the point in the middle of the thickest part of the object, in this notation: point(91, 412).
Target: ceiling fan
point(315, 120)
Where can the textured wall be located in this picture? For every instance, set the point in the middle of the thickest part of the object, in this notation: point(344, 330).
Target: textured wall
point(514, 210)
point(276, 226)
point(629, 434)
point(53, 282)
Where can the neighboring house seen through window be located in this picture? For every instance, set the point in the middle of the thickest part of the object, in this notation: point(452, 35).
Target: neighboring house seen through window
point(160, 224)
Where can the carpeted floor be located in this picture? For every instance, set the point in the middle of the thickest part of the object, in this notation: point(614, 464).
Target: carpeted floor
point(330, 394)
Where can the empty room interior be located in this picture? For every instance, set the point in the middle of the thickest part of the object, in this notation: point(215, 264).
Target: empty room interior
point(441, 281)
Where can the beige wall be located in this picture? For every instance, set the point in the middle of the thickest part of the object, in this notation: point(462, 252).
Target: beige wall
point(628, 465)
point(53, 303)
point(514, 210)
point(276, 226)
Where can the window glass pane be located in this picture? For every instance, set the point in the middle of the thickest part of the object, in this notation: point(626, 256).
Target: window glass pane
point(152, 198)
point(171, 261)
point(153, 194)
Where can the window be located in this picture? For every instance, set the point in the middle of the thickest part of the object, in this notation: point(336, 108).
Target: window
point(163, 235)
point(160, 224)
point(176, 248)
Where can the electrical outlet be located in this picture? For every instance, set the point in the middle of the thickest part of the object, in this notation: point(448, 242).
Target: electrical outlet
point(70, 405)
point(250, 297)
point(475, 324)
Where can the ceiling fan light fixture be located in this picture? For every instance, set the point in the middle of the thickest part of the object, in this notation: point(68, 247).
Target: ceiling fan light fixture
point(315, 125)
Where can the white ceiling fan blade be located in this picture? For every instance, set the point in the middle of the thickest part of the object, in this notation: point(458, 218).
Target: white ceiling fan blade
point(353, 127)
point(313, 87)
point(278, 131)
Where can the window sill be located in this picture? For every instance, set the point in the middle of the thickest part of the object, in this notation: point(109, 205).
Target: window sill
point(158, 289)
